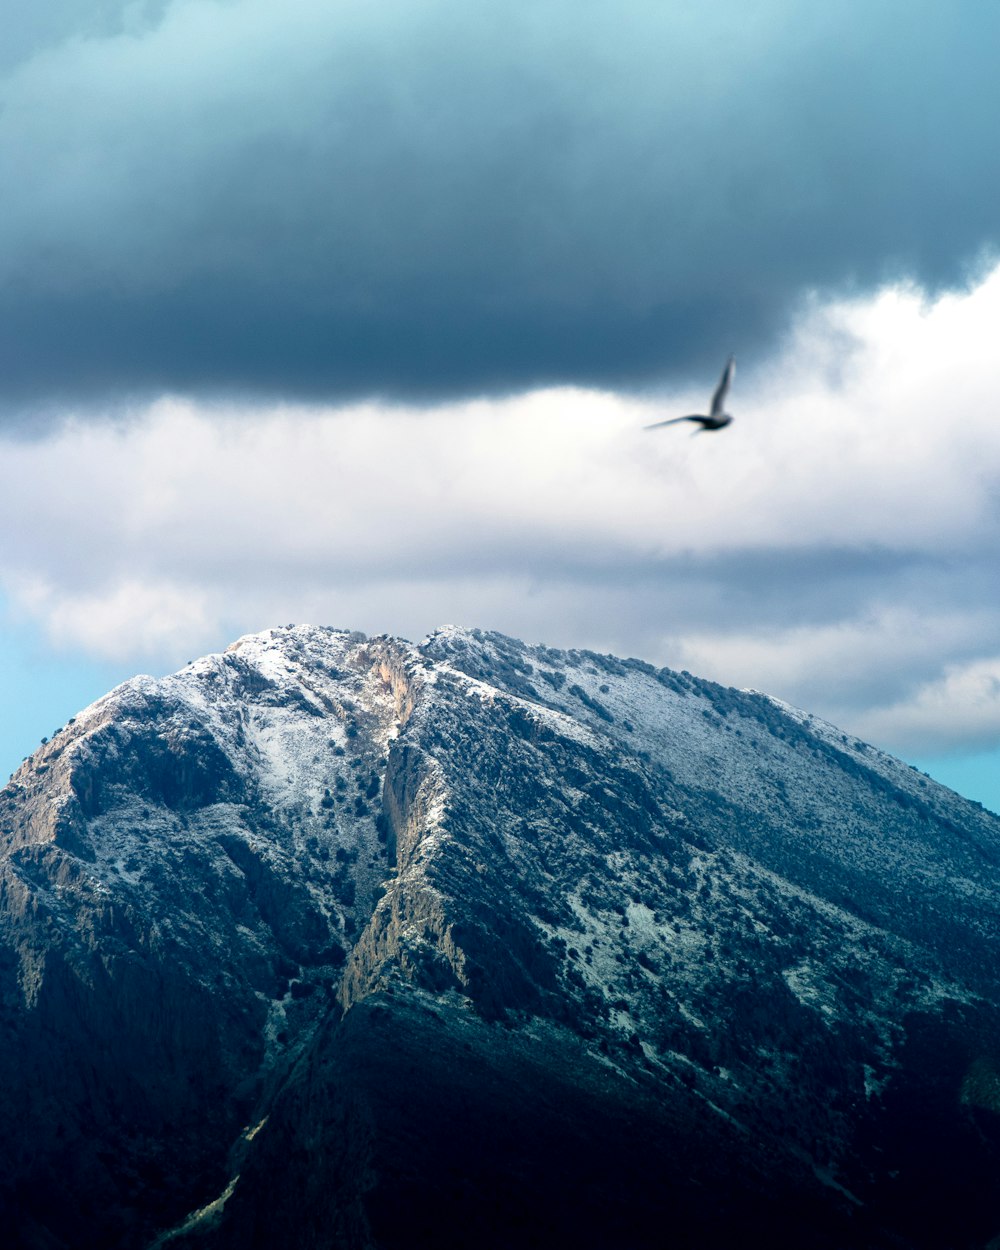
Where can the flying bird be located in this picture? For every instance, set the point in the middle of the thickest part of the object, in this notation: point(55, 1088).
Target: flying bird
point(717, 418)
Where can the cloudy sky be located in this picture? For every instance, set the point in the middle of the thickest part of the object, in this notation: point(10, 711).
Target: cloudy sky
point(354, 313)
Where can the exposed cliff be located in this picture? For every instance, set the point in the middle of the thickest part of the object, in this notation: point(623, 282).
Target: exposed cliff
point(329, 941)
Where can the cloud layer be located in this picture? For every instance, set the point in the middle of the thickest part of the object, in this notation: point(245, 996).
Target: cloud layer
point(835, 546)
point(330, 199)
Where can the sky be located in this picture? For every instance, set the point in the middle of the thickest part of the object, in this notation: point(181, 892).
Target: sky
point(354, 314)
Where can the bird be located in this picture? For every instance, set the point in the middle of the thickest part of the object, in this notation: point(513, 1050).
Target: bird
point(717, 418)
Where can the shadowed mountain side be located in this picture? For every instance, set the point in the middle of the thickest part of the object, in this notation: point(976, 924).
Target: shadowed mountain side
point(414, 1122)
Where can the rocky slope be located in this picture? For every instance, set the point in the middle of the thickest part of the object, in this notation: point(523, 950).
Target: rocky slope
point(336, 942)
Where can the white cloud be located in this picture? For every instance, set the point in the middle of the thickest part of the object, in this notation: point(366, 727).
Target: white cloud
point(959, 710)
point(127, 618)
point(843, 658)
point(834, 545)
point(869, 674)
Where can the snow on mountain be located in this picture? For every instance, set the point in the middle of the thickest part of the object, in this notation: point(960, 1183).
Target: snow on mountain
point(313, 941)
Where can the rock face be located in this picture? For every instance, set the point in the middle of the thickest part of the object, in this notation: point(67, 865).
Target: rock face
point(336, 942)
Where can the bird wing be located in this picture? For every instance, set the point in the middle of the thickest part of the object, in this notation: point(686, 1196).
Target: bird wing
point(719, 398)
point(673, 421)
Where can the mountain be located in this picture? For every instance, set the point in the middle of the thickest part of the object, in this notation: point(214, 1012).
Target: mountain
point(329, 941)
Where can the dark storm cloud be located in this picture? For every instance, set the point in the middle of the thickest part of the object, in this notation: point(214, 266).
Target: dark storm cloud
point(426, 199)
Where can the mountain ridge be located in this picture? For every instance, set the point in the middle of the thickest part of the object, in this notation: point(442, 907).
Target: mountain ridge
point(244, 911)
